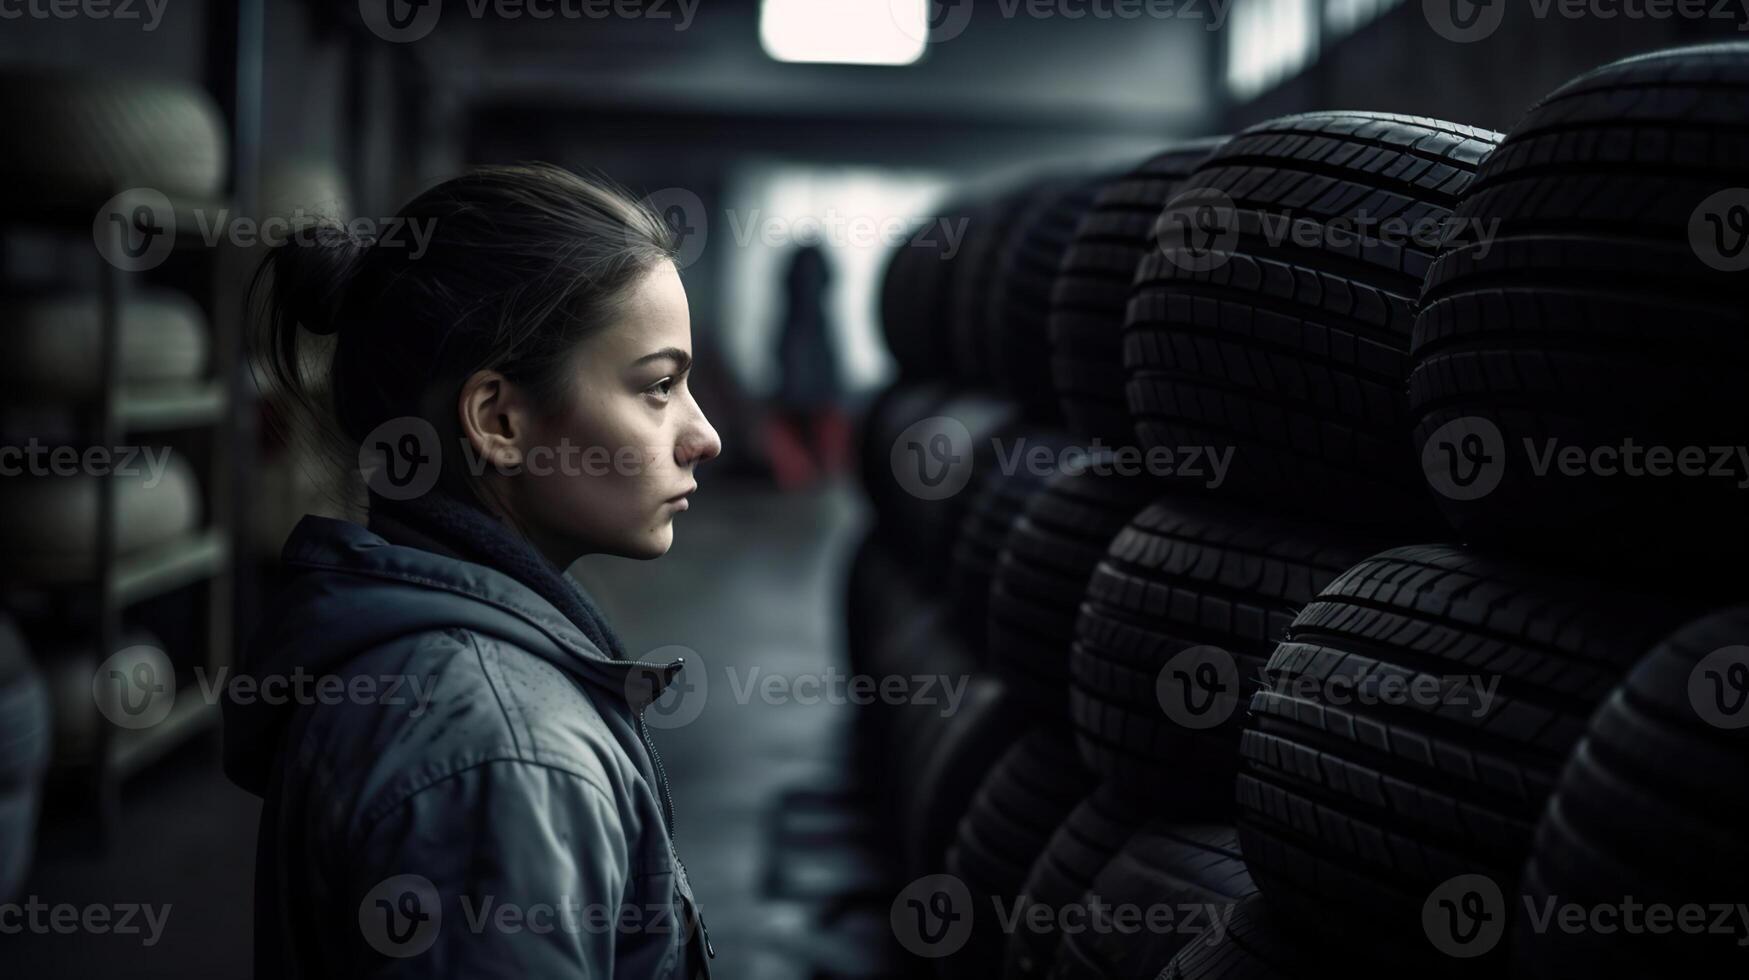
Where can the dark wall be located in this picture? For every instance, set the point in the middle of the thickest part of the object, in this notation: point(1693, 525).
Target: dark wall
point(1114, 73)
point(1399, 64)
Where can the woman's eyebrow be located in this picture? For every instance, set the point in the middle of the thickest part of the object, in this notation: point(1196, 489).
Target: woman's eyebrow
point(681, 358)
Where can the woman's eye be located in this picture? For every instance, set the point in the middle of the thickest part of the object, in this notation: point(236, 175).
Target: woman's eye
point(662, 387)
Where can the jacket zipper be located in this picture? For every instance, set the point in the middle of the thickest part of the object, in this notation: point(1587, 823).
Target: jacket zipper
point(668, 811)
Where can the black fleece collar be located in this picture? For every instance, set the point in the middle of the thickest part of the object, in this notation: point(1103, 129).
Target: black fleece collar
point(441, 524)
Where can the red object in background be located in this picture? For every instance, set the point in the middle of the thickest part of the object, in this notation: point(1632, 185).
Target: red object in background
point(805, 446)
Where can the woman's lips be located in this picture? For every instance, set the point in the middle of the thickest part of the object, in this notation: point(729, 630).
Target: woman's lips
point(679, 499)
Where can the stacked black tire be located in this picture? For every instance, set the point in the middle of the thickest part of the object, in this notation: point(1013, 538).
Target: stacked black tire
point(1466, 833)
point(1272, 318)
point(1304, 667)
point(944, 505)
point(1647, 807)
point(965, 512)
point(1596, 297)
point(1356, 808)
point(1287, 363)
point(1078, 594)
point(1093, 287)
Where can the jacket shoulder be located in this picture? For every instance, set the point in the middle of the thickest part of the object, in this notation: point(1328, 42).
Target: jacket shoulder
point(464, 700)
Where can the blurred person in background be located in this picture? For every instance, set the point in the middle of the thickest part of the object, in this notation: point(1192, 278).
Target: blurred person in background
point(807, 433)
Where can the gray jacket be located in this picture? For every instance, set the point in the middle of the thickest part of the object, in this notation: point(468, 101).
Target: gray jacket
point(456, 781)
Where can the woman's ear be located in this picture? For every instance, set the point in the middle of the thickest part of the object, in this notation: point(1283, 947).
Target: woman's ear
point(495, 419)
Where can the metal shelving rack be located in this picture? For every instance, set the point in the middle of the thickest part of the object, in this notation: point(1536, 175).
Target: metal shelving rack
point(220, 405)
point(119, 415)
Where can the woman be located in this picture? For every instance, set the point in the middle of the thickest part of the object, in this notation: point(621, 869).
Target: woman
point(446, 735)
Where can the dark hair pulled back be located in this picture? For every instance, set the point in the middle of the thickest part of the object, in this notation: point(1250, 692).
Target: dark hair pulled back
point(522, 263)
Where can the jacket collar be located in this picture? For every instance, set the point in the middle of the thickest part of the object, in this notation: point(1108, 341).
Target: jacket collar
point(344, 548)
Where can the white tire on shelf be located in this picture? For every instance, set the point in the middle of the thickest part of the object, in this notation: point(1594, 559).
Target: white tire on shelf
point(51, 341)
point(48, 523)
point(68, 672)
point(85, 134)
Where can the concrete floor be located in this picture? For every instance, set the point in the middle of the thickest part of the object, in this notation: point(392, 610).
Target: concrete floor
point(753, 582)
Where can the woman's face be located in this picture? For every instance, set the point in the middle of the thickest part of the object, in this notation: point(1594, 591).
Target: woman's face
point(629, 441)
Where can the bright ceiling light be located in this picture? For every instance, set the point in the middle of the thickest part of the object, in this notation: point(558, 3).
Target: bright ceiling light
point(849, 32)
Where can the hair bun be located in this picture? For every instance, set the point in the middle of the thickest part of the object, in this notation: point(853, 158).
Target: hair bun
point(315, 265)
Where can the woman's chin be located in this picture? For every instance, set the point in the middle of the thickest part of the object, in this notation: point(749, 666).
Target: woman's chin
point(655, 542)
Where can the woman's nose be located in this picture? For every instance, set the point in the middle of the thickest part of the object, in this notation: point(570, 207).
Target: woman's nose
point(700, 441)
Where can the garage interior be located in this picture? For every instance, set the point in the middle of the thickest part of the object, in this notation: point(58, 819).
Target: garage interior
point(1046, 624)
